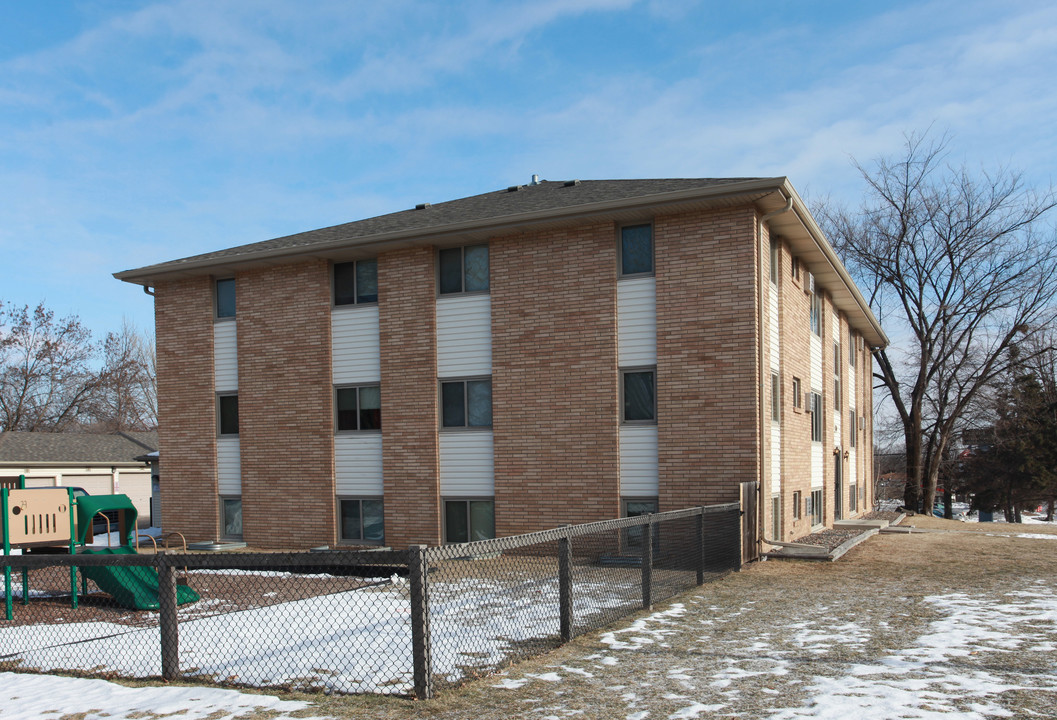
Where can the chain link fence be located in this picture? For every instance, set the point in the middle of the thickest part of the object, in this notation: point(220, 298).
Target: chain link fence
point(405, 622)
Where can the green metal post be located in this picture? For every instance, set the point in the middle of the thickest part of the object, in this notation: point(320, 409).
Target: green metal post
point(21, 482)
point(73, 551)
point(8, 607)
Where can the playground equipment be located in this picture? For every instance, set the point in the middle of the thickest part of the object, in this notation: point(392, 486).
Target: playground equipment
point(54, 517)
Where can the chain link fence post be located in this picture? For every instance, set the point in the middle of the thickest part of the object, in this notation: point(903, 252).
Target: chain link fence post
point(420, 637)
point(565, 586)
point(701, 547)
point(647, 563)
point(167, 621)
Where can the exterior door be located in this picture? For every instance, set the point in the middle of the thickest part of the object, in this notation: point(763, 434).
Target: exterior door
point(838, 489)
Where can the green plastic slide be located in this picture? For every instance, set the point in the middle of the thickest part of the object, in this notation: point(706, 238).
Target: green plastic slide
point(135, 587)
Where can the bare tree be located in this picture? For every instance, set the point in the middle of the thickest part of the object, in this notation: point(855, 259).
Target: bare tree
point(47, 379)
point(957, 269)
point(128, 387)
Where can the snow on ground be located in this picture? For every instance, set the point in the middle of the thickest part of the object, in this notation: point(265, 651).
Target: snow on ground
point(32, 697)
point(923, 681)
point(350, 642)
point(957, 667)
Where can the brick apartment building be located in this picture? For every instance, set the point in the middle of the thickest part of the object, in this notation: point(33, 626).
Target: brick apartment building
point(551, 353)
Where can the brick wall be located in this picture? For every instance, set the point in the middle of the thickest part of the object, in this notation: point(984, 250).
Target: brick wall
point(555, 381)
point(187, 438)
point(286, 426)
point(707, 357)
point(408, 321)
point(794, 310)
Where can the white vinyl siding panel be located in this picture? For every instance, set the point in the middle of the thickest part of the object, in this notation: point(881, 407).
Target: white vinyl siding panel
point(637, 322)
point(638, 461)
point(358, 464)
point(816, 363)
point(464, 335)
point(773, 330)
point(229, 466)
point(776, 458)
point(354, 336)
point(225, 356)
point(467, 467)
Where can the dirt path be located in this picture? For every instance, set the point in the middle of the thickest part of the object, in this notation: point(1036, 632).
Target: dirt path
point(913, 626)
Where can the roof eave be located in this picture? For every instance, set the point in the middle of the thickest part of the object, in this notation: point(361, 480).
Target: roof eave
point(494, 226)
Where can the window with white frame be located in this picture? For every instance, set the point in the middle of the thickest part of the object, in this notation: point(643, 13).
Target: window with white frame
point(816, 417)
point(798, 401)
point(816, 507)
point(797, 505)
point(462, 270)
point(853, 430)
point(775, 255)
point(837, 366)
point(636, 507)
point(356, 283)
point(816, 313)
point(466, 403)
point(776, 517)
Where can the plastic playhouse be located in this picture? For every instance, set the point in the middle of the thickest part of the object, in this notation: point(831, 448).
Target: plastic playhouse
point(54, 518)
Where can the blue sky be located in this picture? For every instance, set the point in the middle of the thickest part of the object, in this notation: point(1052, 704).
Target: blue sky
point(138, 132)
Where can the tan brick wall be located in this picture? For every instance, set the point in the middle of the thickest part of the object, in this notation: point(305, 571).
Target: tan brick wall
point(794, 309)
point(187, 438)
point(407, 303)
point(555, 379)
point(286, 426)
point(707, 357)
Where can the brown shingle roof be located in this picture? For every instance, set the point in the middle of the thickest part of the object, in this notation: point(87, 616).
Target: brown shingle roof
point(547, 196)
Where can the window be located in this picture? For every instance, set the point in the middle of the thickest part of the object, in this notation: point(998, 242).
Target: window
point(796, 505)
point(852, 340)
point(774, 263)
point(636, 508)
point(463, 269)
point(816, 417)
point(776, 403)
point(798, 401)
point(361, 520)
point(468, 520)
point(359, 408)
point(356, 282)
point(231, 517)
point(853, 495)
point(836, 376)
point(466, 403)
point(853, 433)
point(795, 265)
point(776, 518)
point(228, 414)
point(638, 396)
point(816, 507)
point(225, 298)
point(636, 250)
point(816, 313)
